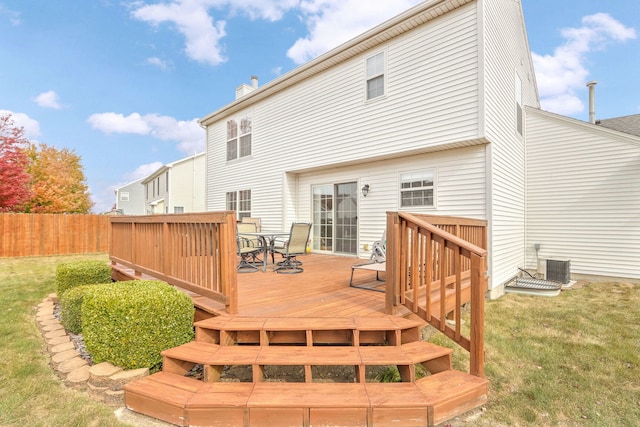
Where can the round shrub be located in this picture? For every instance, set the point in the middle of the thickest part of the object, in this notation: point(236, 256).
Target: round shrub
point(77, 273)
point(71, 307)
point(129, 323)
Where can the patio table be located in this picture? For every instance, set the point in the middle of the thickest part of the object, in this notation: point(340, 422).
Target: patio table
point(267, 238)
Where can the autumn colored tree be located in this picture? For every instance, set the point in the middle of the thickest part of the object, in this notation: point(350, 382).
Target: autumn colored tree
point(58, 184)
point(14, 179)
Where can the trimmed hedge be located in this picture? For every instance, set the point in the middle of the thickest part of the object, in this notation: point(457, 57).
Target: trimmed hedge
point(129, 323)
point(77, 273)
point(71, 307)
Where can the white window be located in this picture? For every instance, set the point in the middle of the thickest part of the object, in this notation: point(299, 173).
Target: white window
point(124, 196)
point(417, 189)
point(375, 76)
point(239, 138)
point(239, 201)
point(178, 209)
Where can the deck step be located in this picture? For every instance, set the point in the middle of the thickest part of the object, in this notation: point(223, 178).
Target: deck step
point(230, 330)
point(427, 402)
point(215, 357)
point(451, 393)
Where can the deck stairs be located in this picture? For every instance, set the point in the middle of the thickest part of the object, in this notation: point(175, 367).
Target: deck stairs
point(310, 346)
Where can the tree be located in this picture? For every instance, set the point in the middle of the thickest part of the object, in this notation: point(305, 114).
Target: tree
point(14, 179)
point(58, 183)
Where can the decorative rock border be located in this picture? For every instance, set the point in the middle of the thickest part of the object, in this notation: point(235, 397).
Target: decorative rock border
point(104, 381)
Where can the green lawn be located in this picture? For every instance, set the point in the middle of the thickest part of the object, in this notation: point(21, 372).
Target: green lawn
point(30, 394)
point(561, 361)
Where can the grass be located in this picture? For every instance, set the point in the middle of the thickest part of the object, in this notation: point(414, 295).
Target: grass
point(31, 395)
point(562, 361)
point(567, 360)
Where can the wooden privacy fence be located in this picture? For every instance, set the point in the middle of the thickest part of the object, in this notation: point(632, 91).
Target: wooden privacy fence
point(196, 251)
point(52, 234)
point(434, 266)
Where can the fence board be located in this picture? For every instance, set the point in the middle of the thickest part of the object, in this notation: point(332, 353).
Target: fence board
point(52, 234)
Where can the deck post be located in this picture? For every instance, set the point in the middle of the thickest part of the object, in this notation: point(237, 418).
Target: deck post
point(229, 273)
point(478, 289)
point(392, 263)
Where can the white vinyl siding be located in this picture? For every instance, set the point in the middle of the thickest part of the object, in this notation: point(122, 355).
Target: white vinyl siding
point(583, 196)
point(505, 55)
point(431, 103)
point(461, 188)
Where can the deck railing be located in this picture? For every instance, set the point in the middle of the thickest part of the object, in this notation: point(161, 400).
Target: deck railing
point(196, 252)
point(434, 266)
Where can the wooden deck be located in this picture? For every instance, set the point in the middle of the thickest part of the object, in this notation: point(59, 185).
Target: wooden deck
point(322, 290)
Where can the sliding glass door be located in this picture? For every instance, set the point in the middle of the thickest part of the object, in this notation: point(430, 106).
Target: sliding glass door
point(335, 218)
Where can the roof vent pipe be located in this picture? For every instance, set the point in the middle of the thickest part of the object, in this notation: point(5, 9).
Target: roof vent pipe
point(254, 82)
point(592, 101)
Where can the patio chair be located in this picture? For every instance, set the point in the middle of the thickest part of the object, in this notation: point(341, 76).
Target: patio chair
point(296, 245)
point(377, 263)
point(249, 248)
point(256, 221)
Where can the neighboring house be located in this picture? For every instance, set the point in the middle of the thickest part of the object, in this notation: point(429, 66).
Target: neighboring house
point(130, 199)
point(176, 187)
point(427, 112)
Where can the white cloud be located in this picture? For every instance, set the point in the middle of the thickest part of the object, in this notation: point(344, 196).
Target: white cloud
point(333, 22)
point(31, 126)
point(48, 99)
point(188, 134)
point(142, 171)
point(562, 74)
point(160, 63)
point(117, 123)
point(203, 34)
point(14, 17)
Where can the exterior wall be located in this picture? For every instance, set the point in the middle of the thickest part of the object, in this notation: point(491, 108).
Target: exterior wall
point(186, 184)
point(156, 191)
point(583, 195)
point(135, 205)
point(505, 54)
point(460, 188)
point(431, 103)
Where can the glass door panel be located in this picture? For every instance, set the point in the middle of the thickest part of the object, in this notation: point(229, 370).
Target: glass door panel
point(323, 218)
point(335, 218)
point(346, 218)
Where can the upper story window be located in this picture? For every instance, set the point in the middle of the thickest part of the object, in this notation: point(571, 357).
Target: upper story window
point(124, 196)
point(239, 138)
point(375, 76)
point(417, 189)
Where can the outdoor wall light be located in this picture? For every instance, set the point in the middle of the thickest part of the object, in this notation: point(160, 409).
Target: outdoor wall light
point(365, 190)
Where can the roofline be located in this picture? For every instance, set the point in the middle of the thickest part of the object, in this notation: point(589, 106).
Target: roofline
point(406, 21)
point(168, 166)
point(630, 138)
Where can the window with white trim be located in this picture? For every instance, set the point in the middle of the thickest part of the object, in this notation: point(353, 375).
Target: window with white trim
point(239, 201)
point(178, 209)
point(375, 76)
point(124, 196)
point(417, 189)
point(239, 138)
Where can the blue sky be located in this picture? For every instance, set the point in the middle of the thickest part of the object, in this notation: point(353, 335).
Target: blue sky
point(123, 83)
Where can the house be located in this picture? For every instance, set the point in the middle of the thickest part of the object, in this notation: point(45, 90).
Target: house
point(434, 111)
point(176, 187)
point(130, 199)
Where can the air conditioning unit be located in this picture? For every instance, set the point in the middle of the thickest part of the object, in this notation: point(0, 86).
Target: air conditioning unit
point(559, 270)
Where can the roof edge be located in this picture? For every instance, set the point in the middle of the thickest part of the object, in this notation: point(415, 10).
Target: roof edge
point(400, 24)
